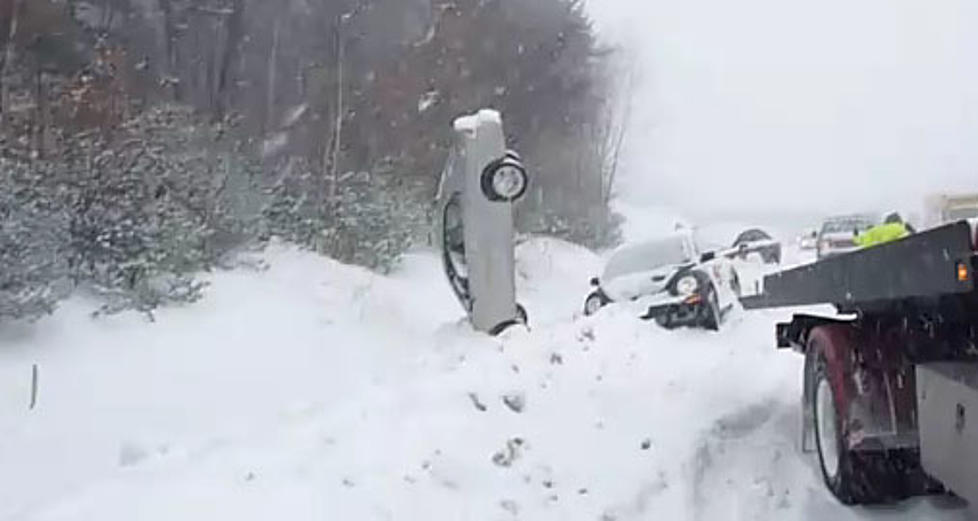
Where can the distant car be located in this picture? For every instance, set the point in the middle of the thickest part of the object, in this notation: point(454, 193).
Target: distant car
point(758, 241)
point(808, 241)
point(668, 280)
point(838, 234)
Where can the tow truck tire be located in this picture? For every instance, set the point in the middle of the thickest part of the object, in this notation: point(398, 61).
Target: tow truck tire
point(853, 477)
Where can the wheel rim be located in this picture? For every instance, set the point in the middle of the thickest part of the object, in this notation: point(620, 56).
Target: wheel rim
point(828, 441)
point(592, 305)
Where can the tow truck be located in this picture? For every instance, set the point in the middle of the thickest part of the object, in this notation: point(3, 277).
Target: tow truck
point(890, 381)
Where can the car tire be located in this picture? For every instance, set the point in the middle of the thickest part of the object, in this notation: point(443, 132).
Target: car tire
point(853, 477)
point(521, 315)
point(710, 310)
point(485, 181)
point(665, 322)
point(521, 319)
point(593, 303)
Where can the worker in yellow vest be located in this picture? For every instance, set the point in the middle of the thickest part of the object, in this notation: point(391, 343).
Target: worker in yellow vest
point(892, 229)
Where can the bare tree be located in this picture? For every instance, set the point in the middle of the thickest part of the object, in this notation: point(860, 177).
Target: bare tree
point(9, 55)
point(234, 22)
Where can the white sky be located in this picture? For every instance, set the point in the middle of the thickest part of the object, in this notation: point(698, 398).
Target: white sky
point(790, 105)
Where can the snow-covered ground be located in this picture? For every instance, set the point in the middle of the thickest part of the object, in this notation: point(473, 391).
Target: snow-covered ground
point(319, 391)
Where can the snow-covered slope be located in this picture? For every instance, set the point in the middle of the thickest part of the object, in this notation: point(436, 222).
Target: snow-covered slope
point(319, 391)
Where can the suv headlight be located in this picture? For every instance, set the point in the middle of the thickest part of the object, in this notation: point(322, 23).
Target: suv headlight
point(687, 285)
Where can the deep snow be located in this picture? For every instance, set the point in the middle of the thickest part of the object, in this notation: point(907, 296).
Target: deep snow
point(319, 391)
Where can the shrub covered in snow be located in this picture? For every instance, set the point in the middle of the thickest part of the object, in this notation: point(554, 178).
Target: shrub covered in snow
point(150, 205)
point(369, 220)
point(33, 233)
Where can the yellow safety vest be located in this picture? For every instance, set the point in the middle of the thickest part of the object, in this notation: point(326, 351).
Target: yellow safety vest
point(881, 234)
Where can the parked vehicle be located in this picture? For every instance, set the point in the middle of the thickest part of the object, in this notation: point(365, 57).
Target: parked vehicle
point(942, 209)
point(890, 388)
point(837, 234)
point(808, 241)
point(669, 280)
point(757, 241)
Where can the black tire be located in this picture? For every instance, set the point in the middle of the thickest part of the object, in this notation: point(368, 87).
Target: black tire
point(710, 310)
point(485, 180)
point(665, 322)
point(595, 298)
point(521, 316)
point(853, 477)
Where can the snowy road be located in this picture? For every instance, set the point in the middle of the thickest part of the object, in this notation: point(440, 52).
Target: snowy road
point(319, 391)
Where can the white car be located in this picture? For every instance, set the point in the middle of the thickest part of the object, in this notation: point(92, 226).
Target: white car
point(838, 234)
point(808, 241)
point(669, 280)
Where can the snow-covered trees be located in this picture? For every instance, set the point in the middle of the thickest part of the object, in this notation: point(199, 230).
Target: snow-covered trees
point(33, 236)
point(151, 204)
point(143, 140)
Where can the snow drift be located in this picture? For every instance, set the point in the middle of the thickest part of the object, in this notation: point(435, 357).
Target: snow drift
point(315, 390)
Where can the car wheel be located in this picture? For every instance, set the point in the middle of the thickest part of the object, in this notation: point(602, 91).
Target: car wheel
point(521, 316)
point(665, 321)
point(710, 310)
point(593, 303)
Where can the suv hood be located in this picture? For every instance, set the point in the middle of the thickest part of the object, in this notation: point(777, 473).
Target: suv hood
point(635, 285)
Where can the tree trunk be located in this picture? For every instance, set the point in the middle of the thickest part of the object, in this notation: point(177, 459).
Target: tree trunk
point(172, 79)
point(271, 85)
point(39, 125)
point(9, 55)
point(338, 129)
point(232, 48)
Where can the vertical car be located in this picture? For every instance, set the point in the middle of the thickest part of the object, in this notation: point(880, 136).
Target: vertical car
point(479, 183)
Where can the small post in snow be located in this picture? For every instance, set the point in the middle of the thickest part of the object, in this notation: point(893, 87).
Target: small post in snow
point(33, 402)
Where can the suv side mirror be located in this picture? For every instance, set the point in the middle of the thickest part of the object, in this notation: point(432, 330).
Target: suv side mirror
point(595, 282)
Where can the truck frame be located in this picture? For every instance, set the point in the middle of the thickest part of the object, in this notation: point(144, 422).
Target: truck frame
point(890, 383)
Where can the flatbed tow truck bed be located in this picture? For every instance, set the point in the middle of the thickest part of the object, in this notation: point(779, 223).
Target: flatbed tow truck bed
point(890, 394)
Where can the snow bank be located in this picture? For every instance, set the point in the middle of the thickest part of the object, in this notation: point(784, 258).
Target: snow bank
point(319, 391)
point(552, 278)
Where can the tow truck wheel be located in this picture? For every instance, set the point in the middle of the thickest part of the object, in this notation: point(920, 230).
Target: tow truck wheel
point(854, 477)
